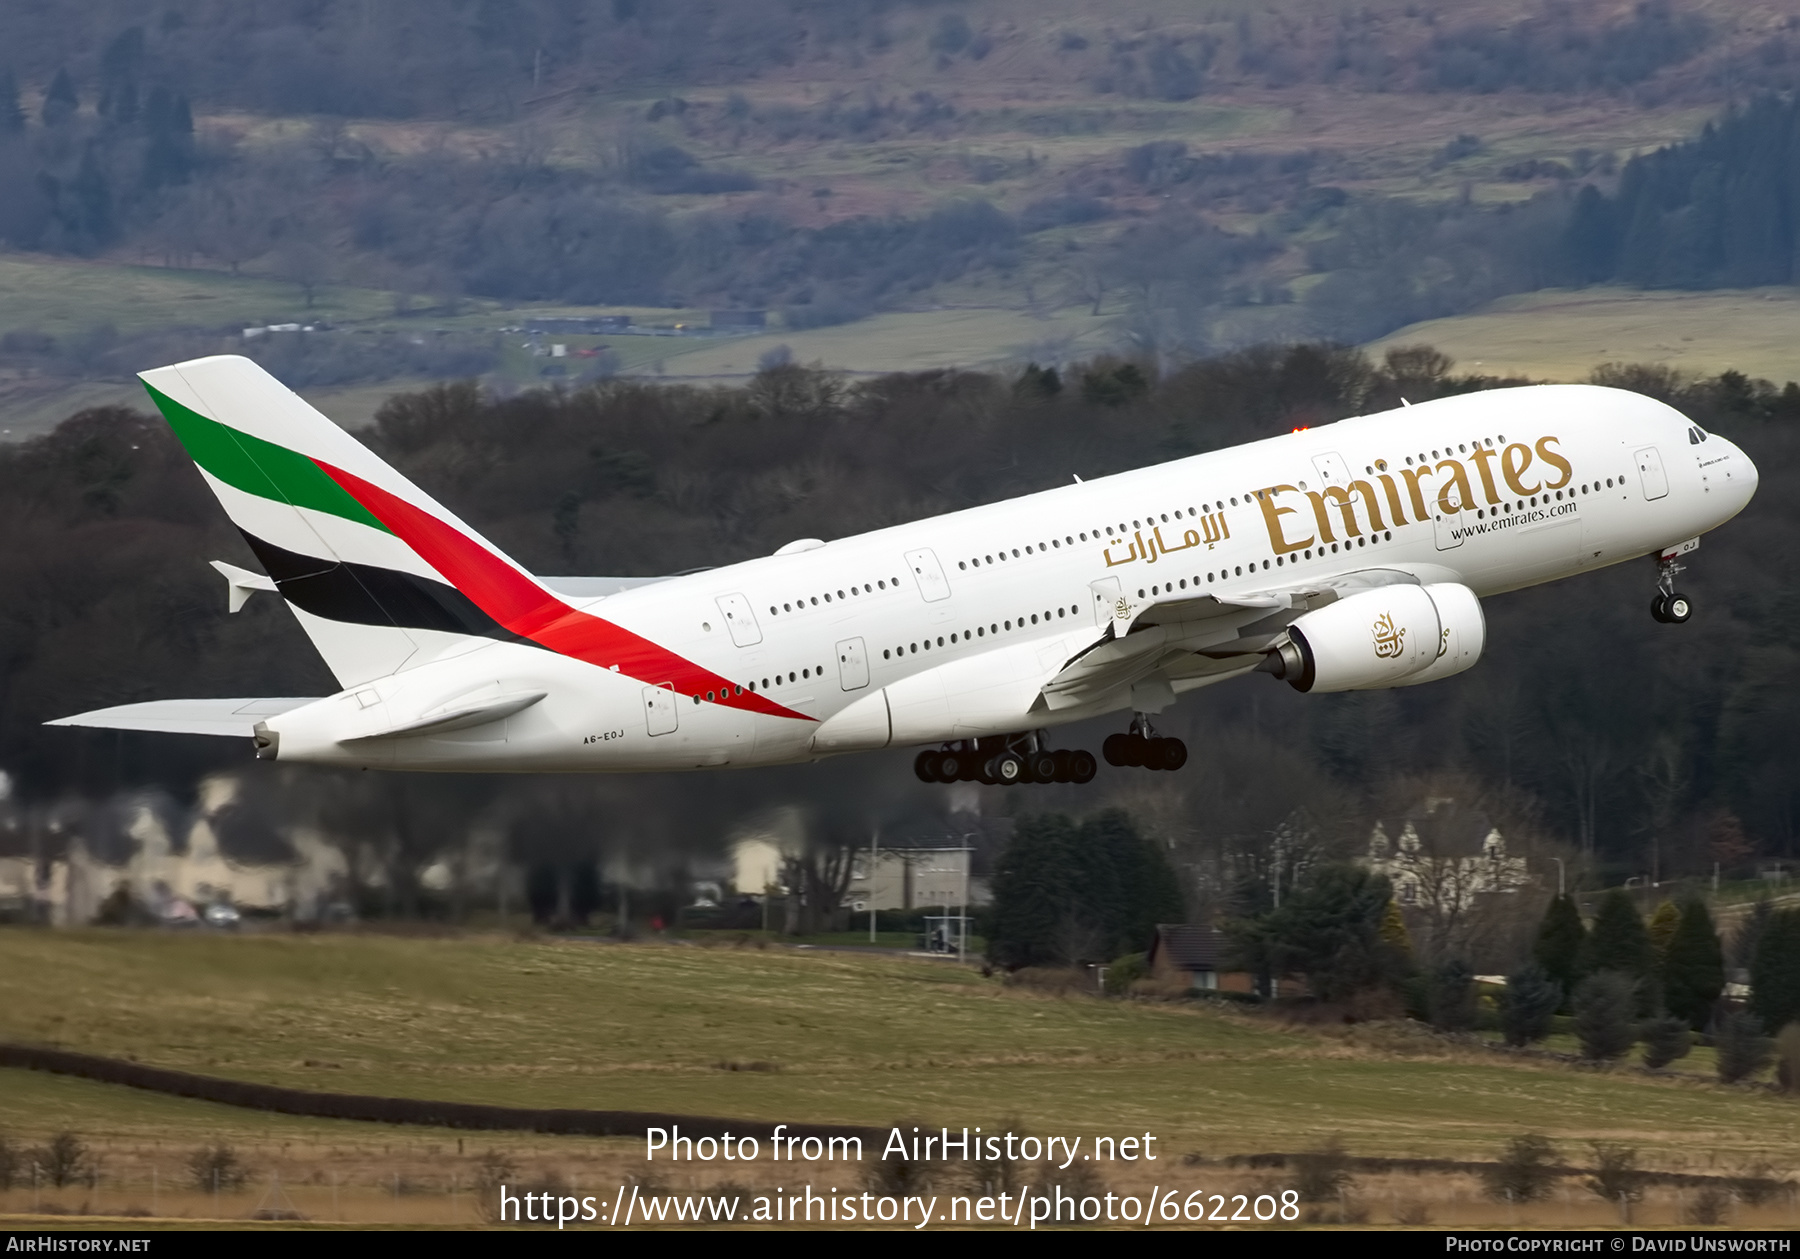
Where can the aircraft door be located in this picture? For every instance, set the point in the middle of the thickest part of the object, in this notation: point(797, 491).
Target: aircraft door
point(929, 574)
point(1107, 597)
point(853, 664)
point(740, 620)
point(1449, 527)
point(659, 709)
point(1332, 469)
point(1650, 469)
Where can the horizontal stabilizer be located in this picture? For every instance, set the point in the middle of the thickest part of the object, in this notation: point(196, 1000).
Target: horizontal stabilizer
point(242, 582)
point(459, 717)
point(595, 587)
point(185, 716)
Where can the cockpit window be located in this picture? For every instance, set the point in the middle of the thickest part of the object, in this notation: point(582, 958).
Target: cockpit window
point(1696, 434)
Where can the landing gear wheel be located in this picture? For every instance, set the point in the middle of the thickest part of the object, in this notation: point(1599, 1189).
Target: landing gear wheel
point(1137, 751)
point(1082, 766)
point(1041, 767)
point(924, 767)
point(1006, 769)
point(1172, 754)
point(1659, 609)
point(1061, 758)
point(1677, 608)
point(947, 766)
point(1113, 749)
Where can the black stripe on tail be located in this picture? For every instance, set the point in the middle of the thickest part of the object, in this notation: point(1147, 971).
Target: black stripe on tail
point(363, 594)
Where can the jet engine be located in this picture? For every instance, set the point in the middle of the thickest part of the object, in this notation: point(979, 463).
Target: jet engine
point(1391, 636)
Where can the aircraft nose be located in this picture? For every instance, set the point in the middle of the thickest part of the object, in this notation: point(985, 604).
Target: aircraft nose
point(1743, 474)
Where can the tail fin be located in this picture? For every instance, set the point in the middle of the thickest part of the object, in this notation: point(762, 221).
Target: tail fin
point(376, 571)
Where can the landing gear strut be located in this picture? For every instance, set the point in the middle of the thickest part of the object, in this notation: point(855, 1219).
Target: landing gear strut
point(1005, 761)
point(1143, 748)
point(1669, 605)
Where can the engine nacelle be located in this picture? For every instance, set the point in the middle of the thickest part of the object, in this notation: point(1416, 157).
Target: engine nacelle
point(1391, 636)
point(1462, 633)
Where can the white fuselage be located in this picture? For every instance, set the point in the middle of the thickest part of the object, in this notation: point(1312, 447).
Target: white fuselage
point(1550, 480)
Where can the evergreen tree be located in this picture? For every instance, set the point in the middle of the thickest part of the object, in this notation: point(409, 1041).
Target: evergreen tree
point(1328, 930)
point(169, 155)
point(1034, 882)
point(1665, 1040)
point(1604, 1022)
point(1067, 893)
point(1129, 878)
point(1741, 1050)
point(1693, 972)
point(1561, 944)
point(1619, 943)
point(12, 116)
point(91, 193)
point(1662, 929)
point(1530, 1001)
point(1775, 974)
point(1717, 210)
point(1452, 996)
point(1591, 240)
point(60, 101)
point(119, 66)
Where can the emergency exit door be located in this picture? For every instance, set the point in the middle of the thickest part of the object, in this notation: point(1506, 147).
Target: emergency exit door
point(929, 574)
point(853, 664)
point(659, 709)
point(1650, 471)
point(740, 620)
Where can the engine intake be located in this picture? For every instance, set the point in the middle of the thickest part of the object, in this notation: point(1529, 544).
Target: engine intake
point(1392, 636)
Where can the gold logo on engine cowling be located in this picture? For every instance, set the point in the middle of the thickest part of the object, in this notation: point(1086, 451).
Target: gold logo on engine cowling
point(1389, 641)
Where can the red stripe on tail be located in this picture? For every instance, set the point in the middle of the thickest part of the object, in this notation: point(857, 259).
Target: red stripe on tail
point(520, 604)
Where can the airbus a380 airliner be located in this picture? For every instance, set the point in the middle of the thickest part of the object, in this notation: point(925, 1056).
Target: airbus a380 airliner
point(1351, 556)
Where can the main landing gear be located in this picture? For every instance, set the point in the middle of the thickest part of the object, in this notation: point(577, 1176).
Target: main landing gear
point(1669, 605)
point(1142, 748)
point(1005, 761)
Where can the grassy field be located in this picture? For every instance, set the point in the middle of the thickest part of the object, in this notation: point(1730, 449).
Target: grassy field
point(908, 342)
point(66, 297)
point(813, 1035)
point(1561, 334)
point(26, 413)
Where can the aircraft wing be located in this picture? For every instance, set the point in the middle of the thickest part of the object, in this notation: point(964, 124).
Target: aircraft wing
point(1196, 639)
point(185, 716)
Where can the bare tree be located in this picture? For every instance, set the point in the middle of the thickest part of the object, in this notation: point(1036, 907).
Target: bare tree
point(299, 259)
point(1447, 856)
point(1585, 758)
point(1664, 781)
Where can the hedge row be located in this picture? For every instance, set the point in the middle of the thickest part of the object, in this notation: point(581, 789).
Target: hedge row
point(1372, 1163)
point(401, 1110)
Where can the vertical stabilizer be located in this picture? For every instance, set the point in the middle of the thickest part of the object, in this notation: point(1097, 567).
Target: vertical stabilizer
point(326, 518)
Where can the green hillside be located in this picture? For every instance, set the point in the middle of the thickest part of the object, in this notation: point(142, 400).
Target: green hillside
point(786, 1035)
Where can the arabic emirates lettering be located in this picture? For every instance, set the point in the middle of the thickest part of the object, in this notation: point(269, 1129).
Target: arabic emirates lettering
point(1389, 641)
point(1156, 546)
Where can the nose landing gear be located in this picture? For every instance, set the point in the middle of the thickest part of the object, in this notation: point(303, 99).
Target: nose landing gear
point(1141, 747)
point(1670, 606)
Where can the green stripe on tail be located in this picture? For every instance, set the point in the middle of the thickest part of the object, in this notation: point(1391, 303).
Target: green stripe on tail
point(259, 467)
